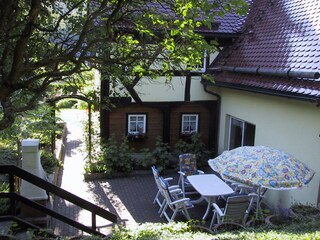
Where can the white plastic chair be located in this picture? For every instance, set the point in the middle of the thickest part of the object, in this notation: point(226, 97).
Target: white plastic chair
point(235, 212)
point(174, 201)
point(159, 198)
point(243, 189)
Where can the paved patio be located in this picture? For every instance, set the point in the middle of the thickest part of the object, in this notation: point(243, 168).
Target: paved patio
point(130, 198)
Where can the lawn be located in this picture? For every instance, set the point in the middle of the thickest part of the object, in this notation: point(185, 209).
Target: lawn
point(304, 229)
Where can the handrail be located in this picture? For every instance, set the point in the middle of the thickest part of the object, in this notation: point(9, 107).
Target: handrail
point(51, 188)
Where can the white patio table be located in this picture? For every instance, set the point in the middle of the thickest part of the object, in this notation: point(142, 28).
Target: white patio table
point(209, 186)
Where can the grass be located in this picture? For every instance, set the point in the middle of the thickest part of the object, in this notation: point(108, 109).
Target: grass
point(298, 229)
point(303, 224)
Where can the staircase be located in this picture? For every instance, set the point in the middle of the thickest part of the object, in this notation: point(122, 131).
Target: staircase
point(15, 226)
point(6, 229)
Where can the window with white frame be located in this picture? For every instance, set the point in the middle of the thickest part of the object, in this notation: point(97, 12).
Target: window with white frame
point(137, 123)
point(241, 133)
point(189, 123)
point(201, 68)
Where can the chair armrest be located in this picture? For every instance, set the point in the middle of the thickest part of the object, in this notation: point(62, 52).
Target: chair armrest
point(218, 210)
point(168, 178)
point(175, 190)
point(182, 173)
point(200, 171)
point(240, 185)
point(255, 195)
point(233, 184)
point(244, 189)
point(181, 200)
point(174, 187)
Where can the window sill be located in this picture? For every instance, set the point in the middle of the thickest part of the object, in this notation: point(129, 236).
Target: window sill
point(186, 136)
point(132, 137)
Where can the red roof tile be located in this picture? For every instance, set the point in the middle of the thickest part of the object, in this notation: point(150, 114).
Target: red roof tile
point(279, 48)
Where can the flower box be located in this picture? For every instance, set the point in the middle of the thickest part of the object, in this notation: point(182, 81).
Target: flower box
point(136, 136)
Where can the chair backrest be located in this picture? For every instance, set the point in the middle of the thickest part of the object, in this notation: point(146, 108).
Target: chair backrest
point(236, 209)
point(156, 175)
point(155, 171)
point(164, 185)
point(188, 163)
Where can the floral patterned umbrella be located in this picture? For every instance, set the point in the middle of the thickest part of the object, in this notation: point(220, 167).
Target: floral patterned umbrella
point(263, 167)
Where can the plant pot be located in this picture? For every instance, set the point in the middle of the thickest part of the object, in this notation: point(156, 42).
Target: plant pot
point(304, 211)
point(278, 220)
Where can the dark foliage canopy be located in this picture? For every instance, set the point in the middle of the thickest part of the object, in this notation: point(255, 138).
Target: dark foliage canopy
point(47, 42)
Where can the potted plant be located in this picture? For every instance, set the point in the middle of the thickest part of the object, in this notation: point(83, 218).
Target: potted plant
point(300, 211)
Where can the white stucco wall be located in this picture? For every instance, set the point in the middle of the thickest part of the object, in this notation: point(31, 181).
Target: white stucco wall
point(159, 90)
point(289, 125)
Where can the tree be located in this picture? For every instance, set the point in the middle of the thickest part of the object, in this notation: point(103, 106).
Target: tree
point(44, 42)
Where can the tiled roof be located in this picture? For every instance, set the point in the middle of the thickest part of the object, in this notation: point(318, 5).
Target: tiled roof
point(230, 24)
point(278, 51)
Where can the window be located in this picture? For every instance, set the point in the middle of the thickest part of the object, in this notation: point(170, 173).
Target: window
point(189, 123)
point(241, 133)
point(201, 68)
point(137, 123)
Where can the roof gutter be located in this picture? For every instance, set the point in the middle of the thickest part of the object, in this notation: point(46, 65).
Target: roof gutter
point(267, 72)
point(269, 92)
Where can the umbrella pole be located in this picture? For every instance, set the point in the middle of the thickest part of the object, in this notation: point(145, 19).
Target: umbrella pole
point(258, 200)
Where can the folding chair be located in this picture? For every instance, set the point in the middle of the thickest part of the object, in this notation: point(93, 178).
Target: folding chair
point(257, 198)
point(174, 201)
point(235, 212)
point(159, 198)
point(188, 167)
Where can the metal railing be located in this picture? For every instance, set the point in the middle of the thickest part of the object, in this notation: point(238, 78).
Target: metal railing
point(15, 172)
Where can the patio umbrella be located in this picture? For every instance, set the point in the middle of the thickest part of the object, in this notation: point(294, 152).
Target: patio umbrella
point(262, 167)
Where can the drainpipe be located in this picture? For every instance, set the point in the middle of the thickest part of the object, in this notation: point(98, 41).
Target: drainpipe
point(205, 87)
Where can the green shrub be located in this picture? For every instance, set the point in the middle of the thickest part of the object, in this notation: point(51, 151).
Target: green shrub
point(180, 230)
point(161, 154)
point(95, 162)
point(124, 162)
point(37, 123)
point(66, 103)
point(8, 157)
point(111, 157)
point(49, 162)
point(193, 145)
point(145, 160)
point(4, 202)
point(157, 231)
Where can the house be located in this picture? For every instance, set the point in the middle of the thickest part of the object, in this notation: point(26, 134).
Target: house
point(268, 81)
point(266, 92)
point(172, 111)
